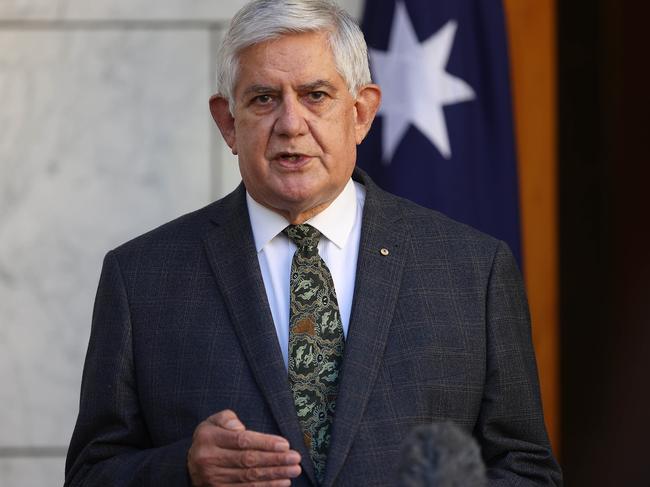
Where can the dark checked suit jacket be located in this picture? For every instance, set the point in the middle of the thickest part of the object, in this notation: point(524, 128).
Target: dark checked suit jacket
point(182, 329)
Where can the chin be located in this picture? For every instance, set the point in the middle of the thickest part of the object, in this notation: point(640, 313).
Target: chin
point(299, 201)
point(297, 189)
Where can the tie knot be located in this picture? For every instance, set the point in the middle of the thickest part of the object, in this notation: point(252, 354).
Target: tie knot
point(304, 236)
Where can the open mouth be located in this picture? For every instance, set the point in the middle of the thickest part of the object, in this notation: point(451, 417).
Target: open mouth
point(291, 158)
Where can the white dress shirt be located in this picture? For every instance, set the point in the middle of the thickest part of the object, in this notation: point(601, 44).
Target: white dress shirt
point(340, 224)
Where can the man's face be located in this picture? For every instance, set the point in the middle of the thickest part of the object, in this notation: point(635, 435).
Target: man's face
point(295, 125)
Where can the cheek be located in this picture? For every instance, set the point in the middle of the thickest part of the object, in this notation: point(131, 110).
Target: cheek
point(340, 141)
point(252, 135)
point(251, 151)
point(334, 135)
point(251, 154)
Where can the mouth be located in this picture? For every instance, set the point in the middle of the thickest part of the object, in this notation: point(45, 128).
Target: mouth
point(291, 160)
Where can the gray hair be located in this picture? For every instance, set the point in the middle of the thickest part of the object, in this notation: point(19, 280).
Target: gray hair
point(264, 20)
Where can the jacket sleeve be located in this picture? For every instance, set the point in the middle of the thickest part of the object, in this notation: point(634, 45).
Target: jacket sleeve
point(510, 426)
point(110, 445)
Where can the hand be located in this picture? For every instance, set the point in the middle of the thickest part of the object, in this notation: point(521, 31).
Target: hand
point(224, 452)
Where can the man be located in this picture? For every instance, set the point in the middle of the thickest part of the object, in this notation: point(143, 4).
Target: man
point(298, 329)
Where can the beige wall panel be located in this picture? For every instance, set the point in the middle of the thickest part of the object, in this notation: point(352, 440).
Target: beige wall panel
point(31, 472)
point(174, 10)
point(105, 135)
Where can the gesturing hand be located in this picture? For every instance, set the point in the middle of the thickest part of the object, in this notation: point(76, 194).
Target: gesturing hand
point(224, 452)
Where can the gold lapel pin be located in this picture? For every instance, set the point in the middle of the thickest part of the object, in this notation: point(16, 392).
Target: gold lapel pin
point(384, 251)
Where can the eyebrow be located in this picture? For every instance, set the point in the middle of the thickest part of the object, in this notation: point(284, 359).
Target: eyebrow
point(258, 89)
point(314, 85)
point(320, 83)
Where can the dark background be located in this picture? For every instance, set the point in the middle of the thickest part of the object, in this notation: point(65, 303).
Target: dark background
point(604, 136)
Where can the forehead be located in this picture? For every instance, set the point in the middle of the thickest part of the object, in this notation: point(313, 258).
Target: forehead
point(292, 59)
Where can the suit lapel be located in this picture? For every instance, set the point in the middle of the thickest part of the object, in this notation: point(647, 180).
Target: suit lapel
point(376, 289)
point(233, 258)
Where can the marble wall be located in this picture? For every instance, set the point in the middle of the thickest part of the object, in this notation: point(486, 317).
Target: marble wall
point(104, 133)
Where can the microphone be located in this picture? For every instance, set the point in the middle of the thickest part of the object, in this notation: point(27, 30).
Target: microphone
point(441, 455)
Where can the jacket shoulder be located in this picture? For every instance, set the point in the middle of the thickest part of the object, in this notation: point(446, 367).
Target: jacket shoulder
point(184, 232)
point(431, 227)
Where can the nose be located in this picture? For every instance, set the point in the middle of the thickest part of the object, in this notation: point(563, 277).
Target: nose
point(291, 118)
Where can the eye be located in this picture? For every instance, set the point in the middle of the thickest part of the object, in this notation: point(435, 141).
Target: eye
point(263, 99)
point(317, 96)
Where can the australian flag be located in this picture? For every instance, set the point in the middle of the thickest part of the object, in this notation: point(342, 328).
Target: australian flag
point(444, 133)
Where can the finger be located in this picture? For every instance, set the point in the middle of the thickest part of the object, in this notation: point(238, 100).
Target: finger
point(271, 483)
point(226, 419)
point(256, 458)
point(260, 474)
point(249, 440)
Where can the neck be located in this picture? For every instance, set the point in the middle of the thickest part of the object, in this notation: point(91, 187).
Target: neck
point(297, 218)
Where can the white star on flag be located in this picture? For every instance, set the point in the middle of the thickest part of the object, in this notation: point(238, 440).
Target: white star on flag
point(415, 84)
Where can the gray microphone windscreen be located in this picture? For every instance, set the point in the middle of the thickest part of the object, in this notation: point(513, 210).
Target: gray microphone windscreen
point(441, 455)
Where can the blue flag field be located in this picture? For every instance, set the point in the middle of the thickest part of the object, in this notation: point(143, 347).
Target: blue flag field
point(444, 134)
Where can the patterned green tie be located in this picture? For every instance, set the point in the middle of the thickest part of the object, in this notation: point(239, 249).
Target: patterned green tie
point(315, 343)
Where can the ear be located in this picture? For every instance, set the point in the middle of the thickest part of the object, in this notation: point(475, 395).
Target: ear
point(225, 121)
point(366, 107)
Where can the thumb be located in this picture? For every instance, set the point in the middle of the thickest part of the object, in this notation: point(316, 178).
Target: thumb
point(227, 419)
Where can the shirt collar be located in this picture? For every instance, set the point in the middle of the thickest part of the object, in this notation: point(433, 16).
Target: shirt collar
point(335, 222)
